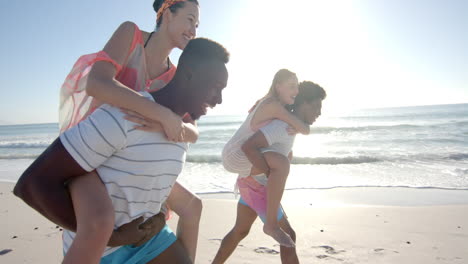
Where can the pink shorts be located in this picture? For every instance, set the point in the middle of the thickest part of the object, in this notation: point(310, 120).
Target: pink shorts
point(254, 195)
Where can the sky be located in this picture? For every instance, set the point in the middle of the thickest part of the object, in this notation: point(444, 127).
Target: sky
point(365, 53)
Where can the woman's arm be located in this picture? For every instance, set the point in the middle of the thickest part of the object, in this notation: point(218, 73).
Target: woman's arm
point(103, 86)
point(272, 109)
point(189, 131)
point(252, 147)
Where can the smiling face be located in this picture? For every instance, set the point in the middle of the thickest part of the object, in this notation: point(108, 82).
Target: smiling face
point(310, 111)
point(205, 87)
point(182, 24)
point(287, 90)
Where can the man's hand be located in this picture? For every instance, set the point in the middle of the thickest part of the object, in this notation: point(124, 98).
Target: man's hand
point(136, 232)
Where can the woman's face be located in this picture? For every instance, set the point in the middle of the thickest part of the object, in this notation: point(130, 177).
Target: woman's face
point(183, 24)
point(287, 90)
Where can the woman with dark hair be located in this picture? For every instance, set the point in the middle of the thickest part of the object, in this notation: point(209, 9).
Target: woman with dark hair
point(132, 61)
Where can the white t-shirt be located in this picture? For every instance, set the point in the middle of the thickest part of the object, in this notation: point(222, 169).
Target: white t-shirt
point(138, 168)
point(279, 141)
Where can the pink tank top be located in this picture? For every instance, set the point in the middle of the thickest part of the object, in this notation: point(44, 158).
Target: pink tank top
point(76, 105)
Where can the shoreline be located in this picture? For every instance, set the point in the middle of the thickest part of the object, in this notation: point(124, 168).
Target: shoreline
point(356, 196)
point(333, 233)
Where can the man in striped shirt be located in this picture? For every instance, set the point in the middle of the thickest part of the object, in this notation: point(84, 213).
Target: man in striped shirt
point(138, 168)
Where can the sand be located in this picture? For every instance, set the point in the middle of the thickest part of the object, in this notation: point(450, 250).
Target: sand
point(356, 225)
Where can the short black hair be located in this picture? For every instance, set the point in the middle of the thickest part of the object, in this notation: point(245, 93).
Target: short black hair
point(308, 92)
point(158, 3)
point(202, 50)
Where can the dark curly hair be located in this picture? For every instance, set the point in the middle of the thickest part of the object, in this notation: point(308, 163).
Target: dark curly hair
point(202, 50)
point(158, 3)
point(308, 92)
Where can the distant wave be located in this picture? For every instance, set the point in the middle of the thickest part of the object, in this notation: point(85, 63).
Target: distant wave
point(22, 145)
point(458, 156)
point(296, 160)
point(355, 186)
point(383, 186)
point(18, 156)
point(334, 160)
point(326, 130)
point(227, 123)
point(204, 158)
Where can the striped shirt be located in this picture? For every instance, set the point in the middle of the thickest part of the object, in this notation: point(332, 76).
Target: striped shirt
point(138, 168)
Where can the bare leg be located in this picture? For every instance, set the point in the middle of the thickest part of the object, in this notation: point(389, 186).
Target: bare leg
point(174, 254)
point(245, 218)
point(188, 207)
point(279, 170)
point(288, 254)
point(95, 219)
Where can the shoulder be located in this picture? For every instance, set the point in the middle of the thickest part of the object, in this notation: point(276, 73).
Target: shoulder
point(125, 32)
point(270, 103)
point(127, 27)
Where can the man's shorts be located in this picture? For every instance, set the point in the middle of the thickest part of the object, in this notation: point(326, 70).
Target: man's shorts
point(144, 253)
point(254, 195)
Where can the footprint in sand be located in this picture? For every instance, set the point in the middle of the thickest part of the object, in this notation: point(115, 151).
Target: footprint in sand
point(264, 250)
point(331, 250)
point(379, 250)
point(5, 251)
point(328, 257)
point(215, 239)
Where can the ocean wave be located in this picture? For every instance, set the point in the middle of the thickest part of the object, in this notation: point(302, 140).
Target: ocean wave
point(458, 156)
point(334, 160)
point(18, 156)
point(330, 129)
point(382, 186)
point(356, 187)
point(326, 130)
point(23, 145)
point(220, 124)
point(296, 160)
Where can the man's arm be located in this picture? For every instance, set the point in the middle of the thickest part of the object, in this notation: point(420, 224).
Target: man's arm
point(43, 185)
point(252, 147)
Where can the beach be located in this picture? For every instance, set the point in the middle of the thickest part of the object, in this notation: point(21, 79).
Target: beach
point(339, 228)
point(374, 186)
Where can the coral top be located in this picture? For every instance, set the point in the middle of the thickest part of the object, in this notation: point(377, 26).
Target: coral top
point(76, 105)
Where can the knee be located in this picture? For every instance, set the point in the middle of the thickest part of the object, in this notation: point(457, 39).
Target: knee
point(292, 234)
point(196, 206)
point(193, 209)
point(240, 233)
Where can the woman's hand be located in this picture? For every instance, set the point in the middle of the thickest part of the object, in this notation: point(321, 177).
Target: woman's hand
point(172, 125)
point(144, 123)
point(291, 131)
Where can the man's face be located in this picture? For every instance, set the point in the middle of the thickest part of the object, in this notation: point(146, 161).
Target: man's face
point(206, 85)
point(311, 111)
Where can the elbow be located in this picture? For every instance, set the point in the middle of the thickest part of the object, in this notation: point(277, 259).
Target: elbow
point(93, 83)
point(23, 189)
point(194, 139)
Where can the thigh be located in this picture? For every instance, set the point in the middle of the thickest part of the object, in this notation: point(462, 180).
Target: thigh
point(181, 198)
point(174, 254)
point(277, 161)
point(245, 217)
point(90, 197)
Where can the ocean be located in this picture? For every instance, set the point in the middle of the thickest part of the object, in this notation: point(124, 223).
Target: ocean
point(414, 147)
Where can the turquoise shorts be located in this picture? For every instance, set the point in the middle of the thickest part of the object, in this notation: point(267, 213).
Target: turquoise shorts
point(144, 253)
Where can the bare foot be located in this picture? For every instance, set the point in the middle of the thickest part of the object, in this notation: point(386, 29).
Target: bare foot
point(279, 235)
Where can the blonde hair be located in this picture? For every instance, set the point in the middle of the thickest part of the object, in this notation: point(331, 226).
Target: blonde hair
point(280, 76)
